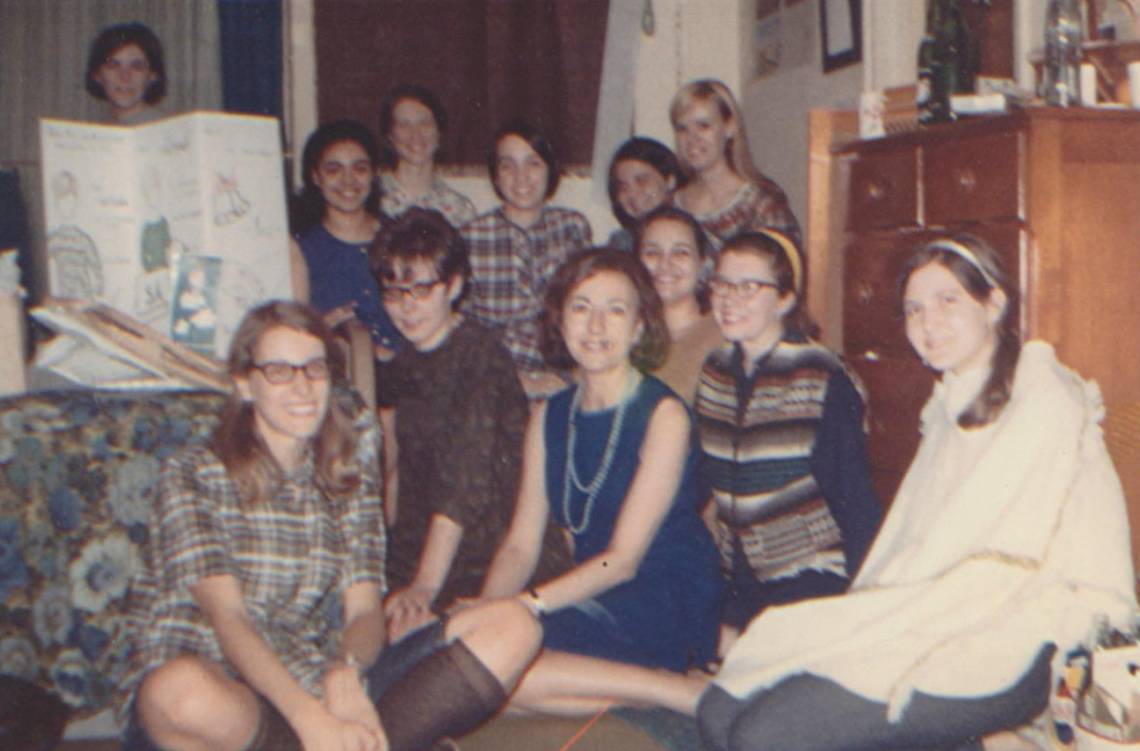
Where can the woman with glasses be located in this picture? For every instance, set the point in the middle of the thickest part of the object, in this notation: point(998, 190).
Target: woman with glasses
point(782, 429)
point(612, 461)
point(412, 121)
point(255, 538)
point(1007, 538)
point(125, 69)
point(335, 218)
point(674, 249)
point(459, 415)
point(725, 191)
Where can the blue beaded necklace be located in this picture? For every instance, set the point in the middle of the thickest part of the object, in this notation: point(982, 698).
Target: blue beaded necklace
point(571, 479)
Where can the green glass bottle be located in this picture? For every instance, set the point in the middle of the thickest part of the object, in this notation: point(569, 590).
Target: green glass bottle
point(947, 61)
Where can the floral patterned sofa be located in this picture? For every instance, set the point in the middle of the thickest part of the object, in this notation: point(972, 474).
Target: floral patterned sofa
point(78, 476)
point(78, 471)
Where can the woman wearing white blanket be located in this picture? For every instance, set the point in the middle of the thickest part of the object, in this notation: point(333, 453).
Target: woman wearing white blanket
point(1007, 537)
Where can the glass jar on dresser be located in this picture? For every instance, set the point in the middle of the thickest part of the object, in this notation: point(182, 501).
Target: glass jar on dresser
point(1056, 191)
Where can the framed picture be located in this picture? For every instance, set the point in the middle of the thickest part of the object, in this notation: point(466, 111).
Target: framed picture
point(841, 32)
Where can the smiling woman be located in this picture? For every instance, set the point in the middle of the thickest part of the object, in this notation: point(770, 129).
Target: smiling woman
point(335, 219)
point(252, 537)
point(516, 248)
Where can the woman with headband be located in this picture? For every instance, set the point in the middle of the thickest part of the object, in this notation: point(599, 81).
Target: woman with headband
point(724, 189)
point(782, 430)
point(1007, 537)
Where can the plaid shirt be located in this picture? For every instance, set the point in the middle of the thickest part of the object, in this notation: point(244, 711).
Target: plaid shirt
point(455, 207)
point(292, 556)
point(755, 206)
point(510, 268)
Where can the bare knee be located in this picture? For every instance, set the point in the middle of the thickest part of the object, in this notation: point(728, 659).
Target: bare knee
point(189, 698)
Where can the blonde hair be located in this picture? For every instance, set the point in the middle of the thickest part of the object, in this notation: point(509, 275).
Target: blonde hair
point(736, 151)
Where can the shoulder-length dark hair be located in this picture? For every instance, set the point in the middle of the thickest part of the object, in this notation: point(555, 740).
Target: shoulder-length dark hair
point(236, 440)
point(671, 213)
point(112, 39)
point(777, 249)
point(424, 235)
point(647, 151)
point(537, 140)
point(397, 94)
point(309, 205)
point(649, 351)
point(979, 276)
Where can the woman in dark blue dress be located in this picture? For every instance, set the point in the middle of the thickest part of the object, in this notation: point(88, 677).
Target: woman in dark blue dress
point(612, 460)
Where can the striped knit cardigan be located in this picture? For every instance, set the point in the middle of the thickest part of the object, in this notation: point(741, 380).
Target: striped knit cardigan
point(758, 433)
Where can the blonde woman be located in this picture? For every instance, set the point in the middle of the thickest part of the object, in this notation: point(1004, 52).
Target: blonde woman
point(725, 191)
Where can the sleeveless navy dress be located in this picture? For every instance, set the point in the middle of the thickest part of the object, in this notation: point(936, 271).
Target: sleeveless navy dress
point(667, 615)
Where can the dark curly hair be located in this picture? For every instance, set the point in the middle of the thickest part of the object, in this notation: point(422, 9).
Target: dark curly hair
point(420, 234)
point(114, 38)
point(309, 205)
point(649, 351)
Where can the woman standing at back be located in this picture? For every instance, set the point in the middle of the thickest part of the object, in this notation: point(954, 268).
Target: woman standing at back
point(725, 191)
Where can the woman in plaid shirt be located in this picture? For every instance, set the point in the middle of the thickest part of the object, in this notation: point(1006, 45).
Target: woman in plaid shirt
point(516, 248)
point(257, 539)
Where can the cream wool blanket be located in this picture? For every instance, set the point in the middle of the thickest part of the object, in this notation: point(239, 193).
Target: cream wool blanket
point(1000, 539)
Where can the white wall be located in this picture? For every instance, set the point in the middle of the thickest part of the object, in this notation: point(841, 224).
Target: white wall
point(776, 106)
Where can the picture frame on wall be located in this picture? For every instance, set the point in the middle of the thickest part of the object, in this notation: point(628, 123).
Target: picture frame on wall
point(841, 33)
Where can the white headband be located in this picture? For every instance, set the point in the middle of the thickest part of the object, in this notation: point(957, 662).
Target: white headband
point(960, 250)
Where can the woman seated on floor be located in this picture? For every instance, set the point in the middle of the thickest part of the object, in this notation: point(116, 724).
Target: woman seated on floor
point(1007, 537)
point(674, 249)
point(459, 415)
point(613, 460)
point(782, 430)
point(254, 538)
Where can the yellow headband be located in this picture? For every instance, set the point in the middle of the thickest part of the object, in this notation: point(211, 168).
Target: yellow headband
point(960, 250)
point(793, 256)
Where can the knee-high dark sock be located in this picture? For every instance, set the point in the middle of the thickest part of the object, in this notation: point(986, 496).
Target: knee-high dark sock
point(446, 694)
point(274, 733)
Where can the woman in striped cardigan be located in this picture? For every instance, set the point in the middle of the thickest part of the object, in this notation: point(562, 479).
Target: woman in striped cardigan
point(782, 430)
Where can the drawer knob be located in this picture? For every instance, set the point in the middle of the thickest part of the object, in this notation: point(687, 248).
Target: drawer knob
point(864, 293)
point(967, 179)
point(870, 355)
point(875, 190)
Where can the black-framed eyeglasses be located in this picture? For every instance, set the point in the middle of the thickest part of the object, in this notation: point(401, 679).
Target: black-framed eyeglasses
point(279, 372)
point(745, 289)
point(417, 290)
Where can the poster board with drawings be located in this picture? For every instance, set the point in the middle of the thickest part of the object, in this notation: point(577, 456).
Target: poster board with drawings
point(179, 223)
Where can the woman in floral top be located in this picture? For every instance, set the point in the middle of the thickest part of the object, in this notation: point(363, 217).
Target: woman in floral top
point(255, 539)
point(724, 191)
point(412, 120)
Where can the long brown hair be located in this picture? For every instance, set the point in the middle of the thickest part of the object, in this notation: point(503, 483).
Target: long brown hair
point(237, 442)
point(979, 270)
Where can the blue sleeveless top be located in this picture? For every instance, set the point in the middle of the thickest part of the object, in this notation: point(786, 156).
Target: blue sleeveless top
point(667, 615)
point(339, 274)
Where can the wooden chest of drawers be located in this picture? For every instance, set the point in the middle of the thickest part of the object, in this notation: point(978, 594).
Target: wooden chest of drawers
point(1056, 191)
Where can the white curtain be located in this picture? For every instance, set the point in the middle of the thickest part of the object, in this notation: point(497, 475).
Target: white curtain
point(43, 58)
